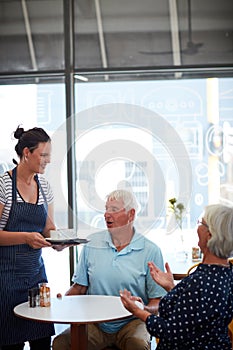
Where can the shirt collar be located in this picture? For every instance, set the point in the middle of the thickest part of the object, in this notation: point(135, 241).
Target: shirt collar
point(137, 242)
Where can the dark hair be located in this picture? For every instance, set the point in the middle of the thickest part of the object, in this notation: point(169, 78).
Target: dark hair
point(30, 138)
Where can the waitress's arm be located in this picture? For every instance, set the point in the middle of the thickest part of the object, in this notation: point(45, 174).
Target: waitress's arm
point(34, 239)
point(50, 221)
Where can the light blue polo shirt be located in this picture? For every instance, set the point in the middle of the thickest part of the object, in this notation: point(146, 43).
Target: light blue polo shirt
point(105, 271)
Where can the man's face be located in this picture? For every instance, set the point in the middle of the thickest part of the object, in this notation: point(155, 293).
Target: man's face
point(115, 214)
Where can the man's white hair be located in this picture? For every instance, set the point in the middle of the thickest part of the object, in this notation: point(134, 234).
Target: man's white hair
point(128, 198)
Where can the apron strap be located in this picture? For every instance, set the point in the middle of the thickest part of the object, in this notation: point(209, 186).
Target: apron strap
point(14, 189)
point(41, 189)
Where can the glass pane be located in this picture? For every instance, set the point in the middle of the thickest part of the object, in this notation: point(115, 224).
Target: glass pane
point(162, 139)
point(148, 33)
point(112, 34)
point(41, 105)
point(31, 35)
point(117, 34)
point(206, 31)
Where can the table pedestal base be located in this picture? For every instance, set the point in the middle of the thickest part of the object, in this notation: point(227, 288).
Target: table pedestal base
point(78, 336)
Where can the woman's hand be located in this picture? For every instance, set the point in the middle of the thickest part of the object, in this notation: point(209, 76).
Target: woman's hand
point(36, 240)
point(164, 279)
point(131, 304)
point(129, 301)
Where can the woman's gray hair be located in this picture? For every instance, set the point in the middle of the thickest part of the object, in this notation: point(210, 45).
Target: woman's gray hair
point(219, 219)
point(128, 198)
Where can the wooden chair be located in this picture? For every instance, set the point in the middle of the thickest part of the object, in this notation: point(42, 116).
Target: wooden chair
point(230, 331)
point(230, 327)
point(193, 267)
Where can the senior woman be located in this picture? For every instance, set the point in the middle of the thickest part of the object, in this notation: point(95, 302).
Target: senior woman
point(196, 312)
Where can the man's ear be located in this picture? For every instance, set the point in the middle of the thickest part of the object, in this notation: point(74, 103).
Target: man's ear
point(131, 214)
point(209, 236)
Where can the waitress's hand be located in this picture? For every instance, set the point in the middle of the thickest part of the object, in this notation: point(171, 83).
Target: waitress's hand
point(36, 240)
point(60, 247)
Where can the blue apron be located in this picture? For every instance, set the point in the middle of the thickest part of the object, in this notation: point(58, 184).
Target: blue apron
point(21, 268)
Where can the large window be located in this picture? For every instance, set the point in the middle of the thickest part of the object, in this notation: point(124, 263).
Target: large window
point(161, 139)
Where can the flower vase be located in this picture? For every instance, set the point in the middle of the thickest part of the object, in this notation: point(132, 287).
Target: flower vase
point(180, 253)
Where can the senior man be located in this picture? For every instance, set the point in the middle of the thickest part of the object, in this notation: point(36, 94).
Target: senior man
point(115, 259)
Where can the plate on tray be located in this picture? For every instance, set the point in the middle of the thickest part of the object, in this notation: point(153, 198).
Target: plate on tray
point(67, 241)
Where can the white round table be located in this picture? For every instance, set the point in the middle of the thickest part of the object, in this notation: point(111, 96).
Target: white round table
point(78, 311)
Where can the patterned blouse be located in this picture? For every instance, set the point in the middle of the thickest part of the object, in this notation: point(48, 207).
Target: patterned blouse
point(195, 314)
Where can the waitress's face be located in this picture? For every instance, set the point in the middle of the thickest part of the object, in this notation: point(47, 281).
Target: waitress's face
point(39, 158)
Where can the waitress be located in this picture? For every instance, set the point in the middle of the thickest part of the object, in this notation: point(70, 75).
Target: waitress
point(26, 218)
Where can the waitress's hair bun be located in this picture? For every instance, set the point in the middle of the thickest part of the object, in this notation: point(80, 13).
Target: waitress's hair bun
point(18, 133)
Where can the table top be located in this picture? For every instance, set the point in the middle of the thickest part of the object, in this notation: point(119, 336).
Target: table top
point(76, 309)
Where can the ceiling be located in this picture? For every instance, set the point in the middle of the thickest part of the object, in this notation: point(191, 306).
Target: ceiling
point(116, 34)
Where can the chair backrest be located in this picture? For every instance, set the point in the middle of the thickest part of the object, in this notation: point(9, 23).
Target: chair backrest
point(192, 268)
point(230, 327)
point(230, 331)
